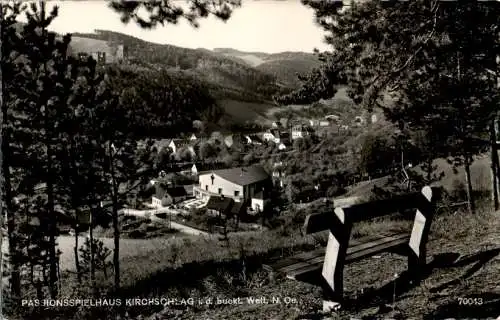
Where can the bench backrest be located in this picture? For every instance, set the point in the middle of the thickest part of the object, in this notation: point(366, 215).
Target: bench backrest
point(340, 223)
point(365, 211)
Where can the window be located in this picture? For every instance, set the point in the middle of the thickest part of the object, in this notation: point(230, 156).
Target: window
point(206, 187)
point(220, 190)
point(236, 193)
point(213, 178)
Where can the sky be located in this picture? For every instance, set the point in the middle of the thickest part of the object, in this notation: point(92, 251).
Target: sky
point(258, 25)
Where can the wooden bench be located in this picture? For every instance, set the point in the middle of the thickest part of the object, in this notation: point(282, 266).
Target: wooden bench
point(341, 249)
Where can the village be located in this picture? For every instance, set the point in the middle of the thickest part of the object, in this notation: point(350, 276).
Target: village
point(231, 193)
point(205, 170)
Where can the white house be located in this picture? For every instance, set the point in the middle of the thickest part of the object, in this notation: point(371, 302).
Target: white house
point(193, 137)
point(240, 184)
point(248, 139)
point(277, 125)
point(258, 202)
point(324, 123)
point(359, 120)
point(271, 135)
point(314, 123)
point(168, 195)
point(332, 117)
point(173, 146)
point(300, 131)
point(177, 144)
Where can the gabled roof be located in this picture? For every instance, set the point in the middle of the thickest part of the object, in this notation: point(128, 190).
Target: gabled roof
point(189, 188)
point(176, 192)
point(223, 204)
point(255, 138)
point(238, 208)
point(275, 132)
point(162, 143)
point(285, 135)
point(243, 176)
point(160, 191)
point(181, 142)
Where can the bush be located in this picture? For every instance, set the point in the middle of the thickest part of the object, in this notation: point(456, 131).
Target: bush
point(137, 234)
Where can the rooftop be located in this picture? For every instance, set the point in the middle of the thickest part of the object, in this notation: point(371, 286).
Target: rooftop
point(176, 191)
point(223, 204)
point(243, 176)
point(238, 208)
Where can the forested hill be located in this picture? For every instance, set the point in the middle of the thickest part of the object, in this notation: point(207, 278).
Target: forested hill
point(224, 76)
point(284, 65)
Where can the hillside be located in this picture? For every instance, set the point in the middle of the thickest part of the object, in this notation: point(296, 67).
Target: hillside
point(284, 66)
point(221, 73)
point(247, 79)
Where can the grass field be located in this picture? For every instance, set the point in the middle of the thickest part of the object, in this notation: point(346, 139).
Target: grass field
point(128, 248)
point(464, 262)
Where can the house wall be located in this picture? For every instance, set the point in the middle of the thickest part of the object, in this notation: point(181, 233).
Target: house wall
point(102, 51)
point(257, 205)
point(268, 136)
point(156, 202)
point(296, 134)
point(228, 188)
point(172, 146)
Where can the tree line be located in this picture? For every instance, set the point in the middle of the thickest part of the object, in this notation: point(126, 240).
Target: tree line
point(69, 148)
point(431, 66)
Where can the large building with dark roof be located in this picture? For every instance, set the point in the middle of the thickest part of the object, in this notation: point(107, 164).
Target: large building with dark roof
point(248, 184)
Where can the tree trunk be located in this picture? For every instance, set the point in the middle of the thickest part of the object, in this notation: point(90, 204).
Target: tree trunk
point(77, 259)
point(116, 239)
point(91, 248)
point(429, 170)
point(470, 196)
point(15, 278)
point(494, 167)
point(116, 229)
point(75, 203)
point(52, 219)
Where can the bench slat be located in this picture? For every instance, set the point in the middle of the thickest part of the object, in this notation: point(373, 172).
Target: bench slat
point(381, 247)
point(297, 258)
point(306, 256)
point(380, 241)
point(353, 254)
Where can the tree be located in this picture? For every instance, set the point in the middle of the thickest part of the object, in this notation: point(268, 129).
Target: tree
point(207, 151)
point(377, 156)
point(452, 50)
point(169, 12)
point(35, 93)
point(10, 44)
